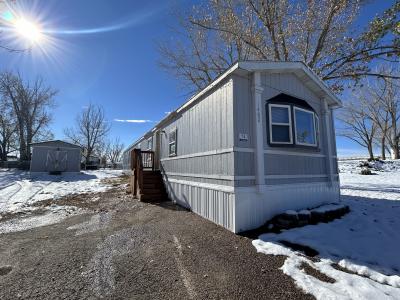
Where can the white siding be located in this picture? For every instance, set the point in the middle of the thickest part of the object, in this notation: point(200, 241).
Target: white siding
point(215, 203)
point(253, 209)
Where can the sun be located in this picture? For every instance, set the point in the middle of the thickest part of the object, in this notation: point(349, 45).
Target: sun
point(28, 30)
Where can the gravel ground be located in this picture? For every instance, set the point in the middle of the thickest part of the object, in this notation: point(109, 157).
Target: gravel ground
point(125, 249)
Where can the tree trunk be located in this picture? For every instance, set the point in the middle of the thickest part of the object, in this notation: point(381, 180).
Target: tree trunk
point(395, 150)
point(371, 151)
point(3, 155)
point(383, 147)
point(22, 147)
point(28, 144)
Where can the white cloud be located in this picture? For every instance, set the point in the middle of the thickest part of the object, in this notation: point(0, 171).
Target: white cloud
point(133, 121)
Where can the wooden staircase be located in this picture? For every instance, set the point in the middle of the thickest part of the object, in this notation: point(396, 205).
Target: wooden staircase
point(146, 183)
point(153, 187)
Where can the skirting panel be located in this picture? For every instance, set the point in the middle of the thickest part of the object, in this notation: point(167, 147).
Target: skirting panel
point(213, 202)
point(254, 208)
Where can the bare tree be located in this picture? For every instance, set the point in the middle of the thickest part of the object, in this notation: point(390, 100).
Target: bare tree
point(320, 33)
point(90, 130)
point(389, 101)
point(114, 151)
point(31, 104)
point(8, 130)
point(357, 125)
point(370, 96)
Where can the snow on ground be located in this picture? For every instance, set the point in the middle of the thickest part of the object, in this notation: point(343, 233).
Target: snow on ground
point(383, 184)
point(366, 241)
point(54, 215)
point(19, 190)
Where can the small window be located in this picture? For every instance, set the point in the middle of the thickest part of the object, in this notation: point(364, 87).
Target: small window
point(280, 124)
point(172, 143)
point(150, 143)
point(305, 125)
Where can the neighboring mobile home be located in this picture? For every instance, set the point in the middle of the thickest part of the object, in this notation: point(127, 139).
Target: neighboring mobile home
point(55, 156)
point(256, 142)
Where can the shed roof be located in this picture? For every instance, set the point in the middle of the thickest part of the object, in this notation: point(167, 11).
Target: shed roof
point(55, 143)
point(301, 70)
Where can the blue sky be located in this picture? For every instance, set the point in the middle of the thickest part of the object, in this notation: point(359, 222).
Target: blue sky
point(115, 67)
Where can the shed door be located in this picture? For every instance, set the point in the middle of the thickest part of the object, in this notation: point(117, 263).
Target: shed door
point(56, 161)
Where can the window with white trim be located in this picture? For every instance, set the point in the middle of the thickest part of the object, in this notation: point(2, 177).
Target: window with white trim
point(150, 143)
point(280, 125)
point(305, 123)
point(172, 142)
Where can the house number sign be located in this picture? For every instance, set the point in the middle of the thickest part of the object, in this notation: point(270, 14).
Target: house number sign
point(243, 137)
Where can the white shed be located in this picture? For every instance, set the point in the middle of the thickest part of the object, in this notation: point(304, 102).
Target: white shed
point(55, 156)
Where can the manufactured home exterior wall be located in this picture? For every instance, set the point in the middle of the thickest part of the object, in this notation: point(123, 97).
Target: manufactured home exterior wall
point(204, 139)
point(278, 161)
point(39, 156)
point(201, 175)
point(295, 177)
point(213, 172)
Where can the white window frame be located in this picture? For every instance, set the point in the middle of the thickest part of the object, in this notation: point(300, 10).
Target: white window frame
point(150, 139)
point(174, 142)
point(270, 106)
point(295, 126)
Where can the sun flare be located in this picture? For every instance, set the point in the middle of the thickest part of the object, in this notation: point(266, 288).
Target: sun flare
point(28, 30)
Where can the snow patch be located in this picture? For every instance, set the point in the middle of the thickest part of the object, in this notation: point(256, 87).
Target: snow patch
point(55, 215)
point(346, 286)
point(96, 222)
point(24, 189)
point(365, 241)
point(100, 271)
point(20, 190)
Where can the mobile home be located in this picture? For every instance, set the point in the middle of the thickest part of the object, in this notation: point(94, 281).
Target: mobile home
point(256, 142)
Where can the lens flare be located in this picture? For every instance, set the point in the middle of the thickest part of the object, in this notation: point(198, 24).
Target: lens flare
point(28, 30)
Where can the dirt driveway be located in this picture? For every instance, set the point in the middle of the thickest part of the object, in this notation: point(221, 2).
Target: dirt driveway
point(125, 249)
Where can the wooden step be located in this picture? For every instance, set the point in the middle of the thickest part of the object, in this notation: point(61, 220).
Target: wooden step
point(153, 191)
point(152, 178)
point(151, 173)
point(153, 185)
point(158, 177)
point(153, 197)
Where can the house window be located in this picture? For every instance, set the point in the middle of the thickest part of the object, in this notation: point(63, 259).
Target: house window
point(150, 143)
point(280, 125)
point(172, 143)
point(305, 127)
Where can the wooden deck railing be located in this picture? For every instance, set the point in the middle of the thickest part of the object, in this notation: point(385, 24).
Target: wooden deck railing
point(140, 160)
